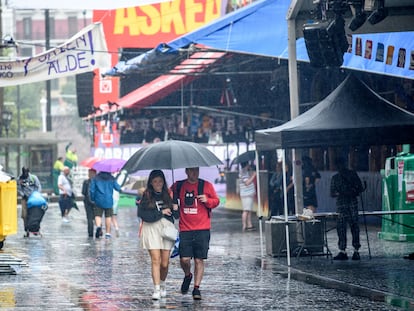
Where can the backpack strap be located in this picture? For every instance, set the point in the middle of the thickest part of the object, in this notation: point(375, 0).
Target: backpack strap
point(176, 194)
point(200, 190)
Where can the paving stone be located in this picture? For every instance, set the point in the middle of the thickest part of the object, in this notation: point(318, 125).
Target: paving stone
point(66, 270)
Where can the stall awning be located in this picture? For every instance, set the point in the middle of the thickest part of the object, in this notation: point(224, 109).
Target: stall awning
point(164, 85)
point(167, 84)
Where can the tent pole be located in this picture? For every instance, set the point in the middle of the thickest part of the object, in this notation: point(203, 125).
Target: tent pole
point(259, 204)
point(294, 109)
point(285, 207)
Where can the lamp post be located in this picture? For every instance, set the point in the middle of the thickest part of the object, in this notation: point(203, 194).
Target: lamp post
point(6, 117)
point(43, 102)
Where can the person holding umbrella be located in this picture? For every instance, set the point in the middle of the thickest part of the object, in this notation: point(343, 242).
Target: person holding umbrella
point(101, 193)
point(195, 203)
point(156, 209)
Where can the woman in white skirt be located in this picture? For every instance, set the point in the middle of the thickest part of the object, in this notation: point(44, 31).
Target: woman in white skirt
point(155, 210)
point(247, 195)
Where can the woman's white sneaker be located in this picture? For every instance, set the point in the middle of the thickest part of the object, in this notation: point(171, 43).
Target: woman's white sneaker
point(163, 292)
point(156, 295)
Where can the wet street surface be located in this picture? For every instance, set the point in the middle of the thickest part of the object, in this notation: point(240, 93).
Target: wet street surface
point(66, 270)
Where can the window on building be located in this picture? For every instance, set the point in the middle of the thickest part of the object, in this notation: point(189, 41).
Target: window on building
point(72, 25)
point(27, 28)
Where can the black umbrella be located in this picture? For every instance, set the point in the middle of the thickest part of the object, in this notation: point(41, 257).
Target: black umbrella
point(171, 154)
point(245, 157)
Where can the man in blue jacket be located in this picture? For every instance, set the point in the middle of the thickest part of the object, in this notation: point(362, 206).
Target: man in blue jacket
point(101, 192)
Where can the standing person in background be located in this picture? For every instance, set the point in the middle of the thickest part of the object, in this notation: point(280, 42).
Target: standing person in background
point(310, 178)
point(57, 170)
point(247, 194)
point(88, 203)
point(275, 191)
point(197, 198)
point(290, 189)
point(346, 187)
point(26, 184)
point(71, 159)
point(65, 193)
point(156, 207)
point(101, 192)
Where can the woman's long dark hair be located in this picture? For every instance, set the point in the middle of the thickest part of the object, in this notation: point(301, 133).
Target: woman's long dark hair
point(149, 191)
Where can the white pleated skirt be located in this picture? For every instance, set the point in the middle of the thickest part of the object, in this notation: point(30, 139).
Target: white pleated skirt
point(150, 237)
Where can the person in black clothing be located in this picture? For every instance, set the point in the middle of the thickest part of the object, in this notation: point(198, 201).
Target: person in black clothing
point(88, 203)
point(346, 187)
point(310, 177)
point(290, 189)
point(26, 184)
point(275, 191)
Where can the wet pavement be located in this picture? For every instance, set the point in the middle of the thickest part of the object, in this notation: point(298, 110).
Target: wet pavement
point(66, 270)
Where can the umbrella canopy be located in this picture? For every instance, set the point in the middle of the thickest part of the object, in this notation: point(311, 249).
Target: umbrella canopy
point(109, 165)
point(247, 156)
point(88, 162)
point(171, 154)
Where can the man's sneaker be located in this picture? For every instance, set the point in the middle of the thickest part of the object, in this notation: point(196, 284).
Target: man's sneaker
point(186, 284)
point(356, 256)
point(341, 256)
point(107, 236)
point(98, 233)
point(163, 292)
point(196, 294)
point(65, 220)
point(156, 295)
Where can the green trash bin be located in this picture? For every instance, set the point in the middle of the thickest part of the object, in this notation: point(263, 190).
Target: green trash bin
point(398, 195)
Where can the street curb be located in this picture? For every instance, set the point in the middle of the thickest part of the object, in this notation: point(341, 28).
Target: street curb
point(352, 289)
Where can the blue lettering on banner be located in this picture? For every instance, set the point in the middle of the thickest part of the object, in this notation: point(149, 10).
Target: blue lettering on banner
point(70, 63)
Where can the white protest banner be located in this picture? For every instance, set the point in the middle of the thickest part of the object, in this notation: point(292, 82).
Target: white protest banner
point(84, 52)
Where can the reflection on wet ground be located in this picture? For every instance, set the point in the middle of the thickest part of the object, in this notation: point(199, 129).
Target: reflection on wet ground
point(68, 271)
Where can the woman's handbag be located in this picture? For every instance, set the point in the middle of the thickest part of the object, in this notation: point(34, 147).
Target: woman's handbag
point(169, 231)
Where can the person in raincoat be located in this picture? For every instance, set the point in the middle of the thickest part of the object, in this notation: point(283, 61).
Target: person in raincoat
point(71, 160)
point(26, 184)
point(101, 193)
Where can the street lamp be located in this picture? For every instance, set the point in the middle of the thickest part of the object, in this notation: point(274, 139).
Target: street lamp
point(6, 117)
point(43, 102)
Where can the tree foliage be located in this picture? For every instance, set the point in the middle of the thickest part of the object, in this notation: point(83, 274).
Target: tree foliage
point(26, 100)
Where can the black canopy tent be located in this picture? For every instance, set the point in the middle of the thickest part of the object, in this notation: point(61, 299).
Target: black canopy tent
point(353, 114)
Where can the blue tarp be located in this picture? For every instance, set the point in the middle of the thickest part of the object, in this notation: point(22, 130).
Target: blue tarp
point(149, 61)
point(261, 29)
